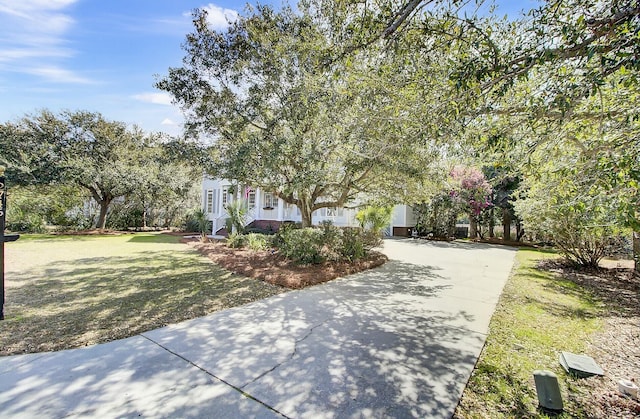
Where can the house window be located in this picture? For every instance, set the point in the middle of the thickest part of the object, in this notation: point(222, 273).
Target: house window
point(209, 202)
point(216, 194)
point(332, 212)
point(225, 196)
point(270, 200)
point(251, 199)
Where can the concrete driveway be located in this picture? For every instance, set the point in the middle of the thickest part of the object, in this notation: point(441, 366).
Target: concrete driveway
point(398, 341)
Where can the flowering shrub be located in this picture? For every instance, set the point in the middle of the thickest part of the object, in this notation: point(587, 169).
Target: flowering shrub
point(471, 189)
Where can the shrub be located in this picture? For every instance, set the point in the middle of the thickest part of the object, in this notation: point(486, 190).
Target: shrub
point(331, 240)
point(302, 245)
point(31, 208)
point(352, 244)
point(327, 242)
point(583, 231)
point(283, 231)
point(122, 215)
point(255, 241)
point(585, 245)
point(197, 221)
point(236, 240)
point(237, 211)
point(374, 218)
point(27, 223)
point(257, 230)
point(356, 243)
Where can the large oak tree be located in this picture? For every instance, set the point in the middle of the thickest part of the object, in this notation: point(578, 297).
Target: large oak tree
point(286, 115)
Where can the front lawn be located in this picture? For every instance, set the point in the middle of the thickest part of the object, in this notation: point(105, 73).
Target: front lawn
point(71, 291)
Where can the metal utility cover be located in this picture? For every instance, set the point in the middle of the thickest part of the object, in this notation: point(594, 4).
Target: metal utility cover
point(581, 366)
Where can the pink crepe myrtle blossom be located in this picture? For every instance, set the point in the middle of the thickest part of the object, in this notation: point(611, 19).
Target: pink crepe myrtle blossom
point(471, 188)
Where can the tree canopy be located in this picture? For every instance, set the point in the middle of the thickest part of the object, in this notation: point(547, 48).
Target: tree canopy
point(284, 115)
point(105, 158)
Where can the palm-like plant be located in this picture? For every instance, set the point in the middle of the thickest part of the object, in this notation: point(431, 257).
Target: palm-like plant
point(237, 211)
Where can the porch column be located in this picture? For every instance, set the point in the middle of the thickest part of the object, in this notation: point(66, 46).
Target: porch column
point(258, 210)
point(280, 209)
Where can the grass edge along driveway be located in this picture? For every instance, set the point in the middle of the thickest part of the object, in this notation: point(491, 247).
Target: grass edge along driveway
point(539, 315)
point(70, 291)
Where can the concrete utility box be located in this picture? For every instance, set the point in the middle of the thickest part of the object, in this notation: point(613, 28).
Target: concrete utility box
point(548, 390)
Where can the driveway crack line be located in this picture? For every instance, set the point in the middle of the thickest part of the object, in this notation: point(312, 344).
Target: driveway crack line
point(236, 388)
point(290, 357)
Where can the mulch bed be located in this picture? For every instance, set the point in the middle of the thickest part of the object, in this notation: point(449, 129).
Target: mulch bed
point(273, 268)
point(617, 348)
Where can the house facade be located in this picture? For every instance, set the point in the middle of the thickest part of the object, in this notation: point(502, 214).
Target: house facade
point(266, 211)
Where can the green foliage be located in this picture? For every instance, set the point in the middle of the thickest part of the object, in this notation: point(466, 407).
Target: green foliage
point(123, 215)
point(105, 159)
point(356, 243)
point(273, 89)
point(582, 224)
point(197, 221)
point(352, 246)
point(255, 241)
point(283, 232)
point(236, 240)
point(331, 238)
point(26, 223)
point(237, 211)
point(328, 242)
point(438, 216)
point(374, 218)
point(31, 208)
point(303, 245)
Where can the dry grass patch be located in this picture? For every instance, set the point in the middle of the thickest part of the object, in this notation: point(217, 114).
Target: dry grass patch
point(67, 292)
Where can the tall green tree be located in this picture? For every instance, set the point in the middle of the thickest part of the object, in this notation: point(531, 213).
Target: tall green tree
point(286, 115)
point(78, 148)
point(27, 149)
point(101, 156)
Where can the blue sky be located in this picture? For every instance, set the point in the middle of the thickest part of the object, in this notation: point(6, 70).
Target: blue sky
point(102, 56)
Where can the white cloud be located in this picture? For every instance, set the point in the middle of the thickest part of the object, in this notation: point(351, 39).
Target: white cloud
point(33, 39)
point(157, 98)
point(58, 75)
point(219, 17)
point(14, 54)
point(39, 16)
point(167, 121)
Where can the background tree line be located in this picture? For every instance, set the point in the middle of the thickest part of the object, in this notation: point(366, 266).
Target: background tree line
point(79, 170)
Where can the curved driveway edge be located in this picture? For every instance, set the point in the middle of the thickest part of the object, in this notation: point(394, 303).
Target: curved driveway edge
point(397, 341)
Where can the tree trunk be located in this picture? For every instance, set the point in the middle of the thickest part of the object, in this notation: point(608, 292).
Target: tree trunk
point(506, 224)
point(102, 218)
point(306, 213)
point(473, 226)
point(492, 223)
point(636, 251)
point(519, 230)
point(144, 218)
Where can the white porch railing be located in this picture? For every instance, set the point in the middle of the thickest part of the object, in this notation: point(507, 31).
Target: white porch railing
point(220, 222)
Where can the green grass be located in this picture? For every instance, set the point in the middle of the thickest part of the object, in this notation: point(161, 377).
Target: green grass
point(538, 316)
point(70, 291)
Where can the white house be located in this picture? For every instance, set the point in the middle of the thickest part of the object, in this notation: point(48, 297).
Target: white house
point(266, 211)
